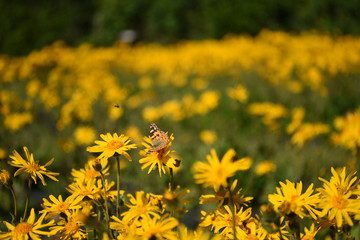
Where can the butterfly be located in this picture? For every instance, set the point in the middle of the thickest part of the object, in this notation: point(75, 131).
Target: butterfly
point(159, 138)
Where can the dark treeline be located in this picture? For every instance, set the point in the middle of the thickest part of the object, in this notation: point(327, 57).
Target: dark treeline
point(27, 25)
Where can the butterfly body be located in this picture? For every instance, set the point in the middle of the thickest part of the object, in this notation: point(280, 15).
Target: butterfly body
point(159, 139)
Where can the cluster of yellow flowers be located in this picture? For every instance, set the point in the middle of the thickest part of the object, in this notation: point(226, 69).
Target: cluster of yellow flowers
point(95, 209)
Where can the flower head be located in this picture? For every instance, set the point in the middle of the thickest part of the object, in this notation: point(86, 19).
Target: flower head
point(290, 199)
point(155, 228)
point(112, 144)
point(337, 202)
point(27, 230)
point(160, 159)
point(58, 206)
point(215, 173)
point(32, 167)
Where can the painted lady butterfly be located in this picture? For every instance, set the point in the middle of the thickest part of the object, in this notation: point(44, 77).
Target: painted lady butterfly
point(159, 138)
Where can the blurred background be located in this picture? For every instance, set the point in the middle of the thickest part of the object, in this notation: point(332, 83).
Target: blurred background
point(26, 25)
point(278, 81)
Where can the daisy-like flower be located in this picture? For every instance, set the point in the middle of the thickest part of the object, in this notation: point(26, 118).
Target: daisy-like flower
point(71, 228)
point(310, 233)
point(223, 195)
point(27, 230)
point(336, 199)
point(58, 206)
point(290, 199)
point(224, 223)
point(89, 173)
point(139, 206)
point(160, 159)
point(32, 167)
point(87, 189)
point(254, 230)
point(198, 234)
point(124, 229)
point(215, 173)
point(158, 228)
point(174, 201)
point(112, 145)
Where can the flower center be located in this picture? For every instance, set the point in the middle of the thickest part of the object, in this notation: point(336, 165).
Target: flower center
point(339, 202)
point(62, 207)
point(114, 145)
point(71, 227)
point(23, 228)
point(33, 167)
point(89, 174)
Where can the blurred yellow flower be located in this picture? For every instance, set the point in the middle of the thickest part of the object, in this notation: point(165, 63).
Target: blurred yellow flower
point(310, 233)
point(348, 131)
point(239, 93)
point(112, 145)
point(145, 82)
point(208, 137)
point(31, 166)
point(215, 173)
point(3, 153)
point(297, 118)
point(5, 177)
point(15, 121)
point(265, 167)
point(151, 114)
point(271, 113)
point(27, 230)
point(134, 133)
point(308, 131)
point(84, 135)
point(199, 83)
point(33, 87)
point(210, 99)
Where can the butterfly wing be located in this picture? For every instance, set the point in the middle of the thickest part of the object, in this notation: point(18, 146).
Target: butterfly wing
point(159, 138)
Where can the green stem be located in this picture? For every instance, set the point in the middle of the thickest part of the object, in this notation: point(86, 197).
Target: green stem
point(233, 213)
point(118, 187)
point(14, 198)
point(171, 179)
point(28, 198)
point(107, 218)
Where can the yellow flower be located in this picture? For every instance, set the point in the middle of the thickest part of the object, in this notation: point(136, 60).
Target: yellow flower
point(71, 228)
point(348, 128)
point(310, 233)
point(162, 158)
point(3, 153)
point(265, 167)
point(336, 198)
point(297, 118)
point(124, 229)
point(215, 173)
point(112, 145)
point(198, 234)
point(199, 83)
point(308, 131)
point(208, 137)
point(239, 93)
point(145, 82)
point(155, 228)
point(290, 199)
point(31, 166)
point(139, 207)
point(223, 195)
point(254, 231)
point(5, 177)
point(173, 200)
point(224, 224)
point(89, 172)
point(271, 113)
point(58, 206)
point(27, 230)
point(15, 121)
point(84, 135)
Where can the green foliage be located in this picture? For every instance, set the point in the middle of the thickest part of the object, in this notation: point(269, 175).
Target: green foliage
point(28, 25)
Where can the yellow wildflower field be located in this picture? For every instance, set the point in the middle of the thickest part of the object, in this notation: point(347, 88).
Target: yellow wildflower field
point(254, 138)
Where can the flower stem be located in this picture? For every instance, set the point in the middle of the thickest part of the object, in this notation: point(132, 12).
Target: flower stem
point(14, 198)
point(233, 213)
point(107, 218)
point(118, 187)
point(28, 198)
point(171, 179)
